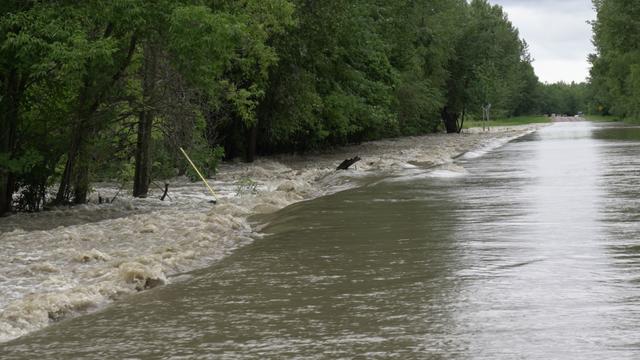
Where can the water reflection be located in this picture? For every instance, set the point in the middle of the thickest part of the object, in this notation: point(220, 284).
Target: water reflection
point(539, 287)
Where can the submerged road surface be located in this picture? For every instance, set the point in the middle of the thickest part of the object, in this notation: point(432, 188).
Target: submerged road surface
point(531, 251)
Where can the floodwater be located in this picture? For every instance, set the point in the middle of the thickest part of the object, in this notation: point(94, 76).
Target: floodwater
point(531, 251)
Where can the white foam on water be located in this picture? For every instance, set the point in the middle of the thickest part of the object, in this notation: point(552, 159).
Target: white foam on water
point(447, 174)
point(71, 261)
point(450, 170)
point(492, 145)
point(473, 154)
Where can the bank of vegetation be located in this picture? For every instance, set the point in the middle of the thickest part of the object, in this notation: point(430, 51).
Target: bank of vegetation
point(615, 72)
point(98, 90)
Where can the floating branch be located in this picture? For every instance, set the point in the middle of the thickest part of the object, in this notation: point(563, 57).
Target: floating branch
point(348, 163)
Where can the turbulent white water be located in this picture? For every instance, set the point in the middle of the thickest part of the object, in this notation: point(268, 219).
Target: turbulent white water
point(52, 271)
point(70, 261)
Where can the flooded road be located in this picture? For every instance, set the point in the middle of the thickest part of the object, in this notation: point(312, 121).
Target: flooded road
point(531, 251)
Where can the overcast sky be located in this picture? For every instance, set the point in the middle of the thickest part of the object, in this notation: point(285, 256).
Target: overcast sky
point(557, 33)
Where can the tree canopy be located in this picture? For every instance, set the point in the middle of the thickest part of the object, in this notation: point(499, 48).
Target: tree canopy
point(615, 72)
point(111, 89)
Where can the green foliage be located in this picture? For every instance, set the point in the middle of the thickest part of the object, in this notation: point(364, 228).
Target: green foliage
point(561, 98)
point(335, 82)
point(42, 51)
point(206, 159)
point(615, 72)
point(491, 65)
point(23, 164)
point(201, 43)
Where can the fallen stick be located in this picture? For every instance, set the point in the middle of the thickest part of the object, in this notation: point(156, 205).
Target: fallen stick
point(118, 193)
point(199, 174)
point(165, 191)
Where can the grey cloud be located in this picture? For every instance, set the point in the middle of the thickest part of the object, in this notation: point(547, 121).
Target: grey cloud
point(558, 35)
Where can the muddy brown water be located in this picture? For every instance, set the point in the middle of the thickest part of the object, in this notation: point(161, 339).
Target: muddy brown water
point(533, 252)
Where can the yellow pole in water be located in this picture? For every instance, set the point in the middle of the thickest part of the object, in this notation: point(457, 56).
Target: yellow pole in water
point(199, 174)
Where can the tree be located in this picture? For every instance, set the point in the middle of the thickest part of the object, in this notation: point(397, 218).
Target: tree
point(170, 30)
point(563, 98)
point(487, 66)
point(615, 72)
point(38, 61)
point(112, 39)
point(334, 83)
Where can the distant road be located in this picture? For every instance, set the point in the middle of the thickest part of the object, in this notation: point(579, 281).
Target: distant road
point(567, 118)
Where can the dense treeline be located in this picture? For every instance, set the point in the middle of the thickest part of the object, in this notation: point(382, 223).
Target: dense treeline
point(98, 89)
point(563, 99)
point(615, 72)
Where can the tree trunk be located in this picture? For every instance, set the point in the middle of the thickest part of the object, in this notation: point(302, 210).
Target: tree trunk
point(142, 176)
point(252, 140)
point(6, 192)
point(462, 120)
point(9, 106)
point(450, 119)
point(64, 190)
point(81, 180)
point(75, 178)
